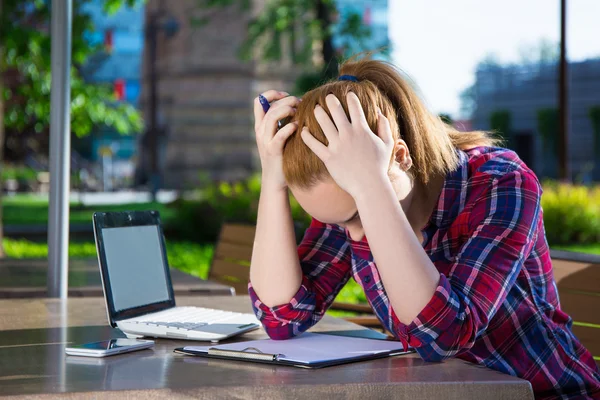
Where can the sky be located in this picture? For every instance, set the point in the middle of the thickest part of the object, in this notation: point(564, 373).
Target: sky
point(438, 43)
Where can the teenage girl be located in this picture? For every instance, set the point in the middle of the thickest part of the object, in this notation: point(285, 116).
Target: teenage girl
point(442, 229)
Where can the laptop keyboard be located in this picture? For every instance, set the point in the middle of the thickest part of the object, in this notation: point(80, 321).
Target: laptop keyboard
point(193, 318)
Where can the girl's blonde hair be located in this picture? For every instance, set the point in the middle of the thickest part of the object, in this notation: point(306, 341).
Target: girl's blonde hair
point(431, 142)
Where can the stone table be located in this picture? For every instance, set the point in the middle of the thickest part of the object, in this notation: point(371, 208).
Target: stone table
point(35, 332)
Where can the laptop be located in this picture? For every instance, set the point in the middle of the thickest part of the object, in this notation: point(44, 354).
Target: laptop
point(137, 284)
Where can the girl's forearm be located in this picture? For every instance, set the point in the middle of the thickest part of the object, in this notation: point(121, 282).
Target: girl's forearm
point(275, 270)
point(409, 276)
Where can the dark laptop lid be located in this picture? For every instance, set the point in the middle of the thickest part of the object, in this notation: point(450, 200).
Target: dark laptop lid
point(133, 263)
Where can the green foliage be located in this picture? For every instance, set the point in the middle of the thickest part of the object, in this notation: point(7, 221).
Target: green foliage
point(19, 173)
point(547, 119)
point(279, 20)
point(593, 248)
point(89, 108)
point(352, 293)
point(468, 101)
point(595, 119)
point(446, 118)
point(112, 6)
point(295, 25)
point(201, 221)
point(192, 258)
point(501, 123)
point(352, 35)
point(571, 213)
point(543, 52)
point(25, 34)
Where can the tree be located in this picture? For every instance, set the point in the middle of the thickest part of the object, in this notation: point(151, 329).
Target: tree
point(468, 96)
point(446, 118)
point(25, 75)
point(547, 124)
point(594, 115)
point(545, 52)
point(301, 23)
point(500, 123)
point(468, 101)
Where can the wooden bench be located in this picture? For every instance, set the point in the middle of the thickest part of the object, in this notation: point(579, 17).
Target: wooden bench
point(231, 262)
point(577, 276)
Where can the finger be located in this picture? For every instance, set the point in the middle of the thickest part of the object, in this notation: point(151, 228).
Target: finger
point(272, 95)
point(275, 111)
point(278, 113)
point(286, 101)
point(357, 114)
point(269, 95)
point(317, 147)
point(326, 124)
point(283, 134)
point(384, 131)
point(270, 122)
point(337, 113)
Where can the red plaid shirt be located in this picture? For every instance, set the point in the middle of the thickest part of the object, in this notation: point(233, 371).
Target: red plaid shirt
point(496, 303)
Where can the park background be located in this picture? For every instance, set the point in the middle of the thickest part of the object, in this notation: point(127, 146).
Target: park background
point(162, 93)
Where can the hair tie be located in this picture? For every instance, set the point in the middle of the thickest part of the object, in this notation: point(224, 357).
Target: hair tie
point(348, 78)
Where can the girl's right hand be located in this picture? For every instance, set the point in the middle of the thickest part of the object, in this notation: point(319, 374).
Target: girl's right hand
point(269, 140)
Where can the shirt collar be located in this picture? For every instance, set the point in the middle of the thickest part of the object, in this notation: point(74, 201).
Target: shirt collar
point(453, 195)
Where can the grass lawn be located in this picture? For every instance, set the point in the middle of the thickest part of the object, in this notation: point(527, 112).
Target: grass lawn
point(29, 210)
point(192, 258)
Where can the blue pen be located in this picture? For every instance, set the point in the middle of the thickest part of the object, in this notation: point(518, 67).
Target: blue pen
point(265, 106)
point(264, 103)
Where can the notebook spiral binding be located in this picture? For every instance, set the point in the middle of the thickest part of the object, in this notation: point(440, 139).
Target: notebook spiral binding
point(250, 353)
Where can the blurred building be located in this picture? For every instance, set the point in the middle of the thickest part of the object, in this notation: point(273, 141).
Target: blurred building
point(205, 91)
point(524, 90)
point(118, 63)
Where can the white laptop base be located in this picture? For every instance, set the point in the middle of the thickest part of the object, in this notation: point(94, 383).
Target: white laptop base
point(189, 323)
point(137, 283)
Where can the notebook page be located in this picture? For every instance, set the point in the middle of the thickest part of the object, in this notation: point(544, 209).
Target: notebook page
point(311, 347)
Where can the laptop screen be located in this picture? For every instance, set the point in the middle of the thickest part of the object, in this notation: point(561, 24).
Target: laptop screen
point(135, 264)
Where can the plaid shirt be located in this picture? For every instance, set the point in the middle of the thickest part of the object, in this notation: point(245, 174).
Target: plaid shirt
point(496, 303)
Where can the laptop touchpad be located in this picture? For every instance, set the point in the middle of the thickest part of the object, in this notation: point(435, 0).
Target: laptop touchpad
point(224, 328)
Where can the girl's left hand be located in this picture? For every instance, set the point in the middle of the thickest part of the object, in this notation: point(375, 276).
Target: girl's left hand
point(356, 157)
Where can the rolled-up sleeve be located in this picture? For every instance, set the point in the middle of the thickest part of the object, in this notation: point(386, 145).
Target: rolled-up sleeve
point(325, 259)
point(502, 230)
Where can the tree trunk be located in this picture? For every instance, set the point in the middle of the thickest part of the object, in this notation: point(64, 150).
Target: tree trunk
point(330, 68)
point(1, 131)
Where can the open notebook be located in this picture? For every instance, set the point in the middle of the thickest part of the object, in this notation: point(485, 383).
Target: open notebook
point(309, 350)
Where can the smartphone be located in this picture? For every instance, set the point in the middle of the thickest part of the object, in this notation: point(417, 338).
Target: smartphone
point(110, 347)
